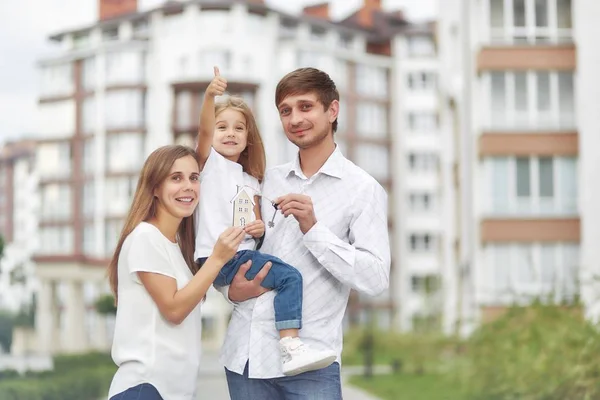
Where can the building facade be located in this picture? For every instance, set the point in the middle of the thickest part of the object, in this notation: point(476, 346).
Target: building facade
point(520, 90)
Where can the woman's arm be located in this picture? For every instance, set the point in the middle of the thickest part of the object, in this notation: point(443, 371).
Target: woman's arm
point(175, 305)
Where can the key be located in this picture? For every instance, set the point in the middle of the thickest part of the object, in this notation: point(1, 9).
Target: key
point(271, 223)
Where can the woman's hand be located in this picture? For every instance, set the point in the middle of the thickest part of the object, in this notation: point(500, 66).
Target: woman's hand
point(227, 244)
point(255, 228)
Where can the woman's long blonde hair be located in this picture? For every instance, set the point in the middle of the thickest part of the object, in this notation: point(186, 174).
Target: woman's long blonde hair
point(252, 159)
point(143, 207)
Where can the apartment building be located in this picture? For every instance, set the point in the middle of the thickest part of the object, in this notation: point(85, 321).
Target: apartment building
point(18, 224)
point(521, 92)
point(133, 81)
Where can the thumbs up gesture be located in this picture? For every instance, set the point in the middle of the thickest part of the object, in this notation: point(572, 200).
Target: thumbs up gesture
point(217, 86)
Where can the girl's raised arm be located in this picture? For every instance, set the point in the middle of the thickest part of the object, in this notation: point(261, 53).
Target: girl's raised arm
point(207, 116)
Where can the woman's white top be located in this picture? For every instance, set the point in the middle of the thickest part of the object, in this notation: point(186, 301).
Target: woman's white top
point(146, 347)
point(220, 181)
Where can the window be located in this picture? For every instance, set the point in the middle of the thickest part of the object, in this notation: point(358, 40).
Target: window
point(532, 186)
point(118, 194)
point(207, 59)
point(345, 41)
point(317, 34)
point(56, 240)
point(81, 40)
point(422, 81)
point(184, 110)
point(423, 162)
point(110, 35)
point(309, 59)
point(54, 159)
point(535, 100)
point(89, 155)
point(530, 21)
point(287, 29)
point(546, 271)
point(374, 159)
point(89, 239)
point(124, 152)
point(422, 242)
point(112, 231)
point(425, 284)
point(371, 120)
point(88, 72)
point(420, 46)
point(423, 122)
point(124, 109)
point(371, 81)
point(214, 22)
point(56, 202)
point(89, 198)
point(124, 67)
point(420, 202)
point(57, 80)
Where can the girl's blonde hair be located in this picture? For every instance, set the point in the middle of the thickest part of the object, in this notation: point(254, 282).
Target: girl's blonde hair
point(252, 159)
point(143, 207)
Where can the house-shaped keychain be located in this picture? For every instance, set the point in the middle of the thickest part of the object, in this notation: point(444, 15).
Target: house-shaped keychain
point(243, 207)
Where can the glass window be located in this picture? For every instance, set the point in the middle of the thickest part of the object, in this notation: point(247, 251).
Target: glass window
point(519, 13)
point(501, 268)
point(214, 22)
point(541, 13)
point(88, 71)
point(374, 159)
point(423, 122)
point(564, 14)
point(567, 183)
point(566, 99)
point(523, 177)
point(125, 67)
point(525, 269)
point(371, 80)
point(499, 185)
point(548, 265)
point(89, 155)
point(88, 121)
point(89, 198)
point(543, 91)
point(498, 98)
point(124, 152)
point(57, 80)
point(371, 120)
point(497, 13)
point(420, 46)
point(546, 170)
point(184, 110)
point(124, 109)
point(209, 58)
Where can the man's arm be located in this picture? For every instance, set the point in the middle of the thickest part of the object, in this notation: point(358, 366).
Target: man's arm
point(241, 289)
point(364, 262)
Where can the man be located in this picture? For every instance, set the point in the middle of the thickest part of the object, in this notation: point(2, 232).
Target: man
point(331, 224)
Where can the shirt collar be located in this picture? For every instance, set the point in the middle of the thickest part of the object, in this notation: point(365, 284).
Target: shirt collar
point(334, 166)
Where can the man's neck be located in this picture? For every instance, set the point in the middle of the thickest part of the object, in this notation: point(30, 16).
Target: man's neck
point(313, 158)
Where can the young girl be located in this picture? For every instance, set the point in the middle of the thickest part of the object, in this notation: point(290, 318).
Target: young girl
point(232, 159)
point(158, 327)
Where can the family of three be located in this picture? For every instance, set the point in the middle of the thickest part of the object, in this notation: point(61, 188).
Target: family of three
point(196, 220)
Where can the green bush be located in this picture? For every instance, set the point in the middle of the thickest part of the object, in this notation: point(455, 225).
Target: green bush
point(75, 377)
point(414, 353)
point(105, 305)
point(536, 353)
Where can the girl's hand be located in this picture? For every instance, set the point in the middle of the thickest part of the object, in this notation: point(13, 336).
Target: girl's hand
point(255, 228)
point(227, 244)
point(217, 86)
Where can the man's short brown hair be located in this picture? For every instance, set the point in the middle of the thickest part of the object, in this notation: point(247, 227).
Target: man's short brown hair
point(305, 80)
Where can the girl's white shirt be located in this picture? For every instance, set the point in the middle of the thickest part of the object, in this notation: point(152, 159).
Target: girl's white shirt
point(146, 347)
point(219, 182)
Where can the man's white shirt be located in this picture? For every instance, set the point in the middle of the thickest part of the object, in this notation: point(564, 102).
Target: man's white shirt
point(348, 248)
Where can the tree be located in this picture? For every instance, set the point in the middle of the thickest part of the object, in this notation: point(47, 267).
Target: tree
point(6, 330)
point(105, 305)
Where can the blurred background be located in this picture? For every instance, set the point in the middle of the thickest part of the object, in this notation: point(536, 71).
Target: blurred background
point(480, 118)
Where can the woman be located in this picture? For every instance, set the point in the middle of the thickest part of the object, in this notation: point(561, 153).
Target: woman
point(157, 285)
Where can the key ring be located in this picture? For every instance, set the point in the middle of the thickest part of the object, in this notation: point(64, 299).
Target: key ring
point(271, 223)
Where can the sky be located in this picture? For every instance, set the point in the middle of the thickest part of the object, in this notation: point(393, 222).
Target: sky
point(26, 24)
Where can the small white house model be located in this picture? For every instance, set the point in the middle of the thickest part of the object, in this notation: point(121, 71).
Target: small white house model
point(243, 207)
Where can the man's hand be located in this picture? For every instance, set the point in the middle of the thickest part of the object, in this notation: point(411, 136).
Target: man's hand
point(255, 228)
point(301, 207)
point(241, 289)
point(217, 86)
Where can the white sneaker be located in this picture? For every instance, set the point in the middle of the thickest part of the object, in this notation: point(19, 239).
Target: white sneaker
point(299, 357)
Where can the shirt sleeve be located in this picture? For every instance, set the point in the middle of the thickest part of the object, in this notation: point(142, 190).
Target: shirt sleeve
point(363, 263)
point(148, 254)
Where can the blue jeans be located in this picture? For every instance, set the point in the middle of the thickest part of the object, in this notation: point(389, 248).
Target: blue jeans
point(322, 384)
point(144, 391)
point(282, 277)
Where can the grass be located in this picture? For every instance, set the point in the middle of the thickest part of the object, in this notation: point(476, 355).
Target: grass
point(410, 387)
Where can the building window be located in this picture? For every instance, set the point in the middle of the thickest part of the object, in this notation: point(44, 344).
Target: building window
point(112, 232)
point(125, 67)
point(81, 40)
point(420, 46)
point(287, 29)
point(371, 120)
point(56, 200)
point(530, 21)
point(371, 81)
point(207, 59)
point(423, 162)
point(423, 122)
point(124, 152)
point(89, 114)
point(422, 242)
point(420, 202)
point(374, 159)
point(57, 80)
point(532, 185)
point(125, 109)
point(547, 271)
point(422, 81)
point(345, 41)
point(425, 284)
point(56, 240)
point(110, 35)
point(54, 159)
point(215, 22)
point(317, 34)
point(118, 194)
point(533, 100)
point(309, 59)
